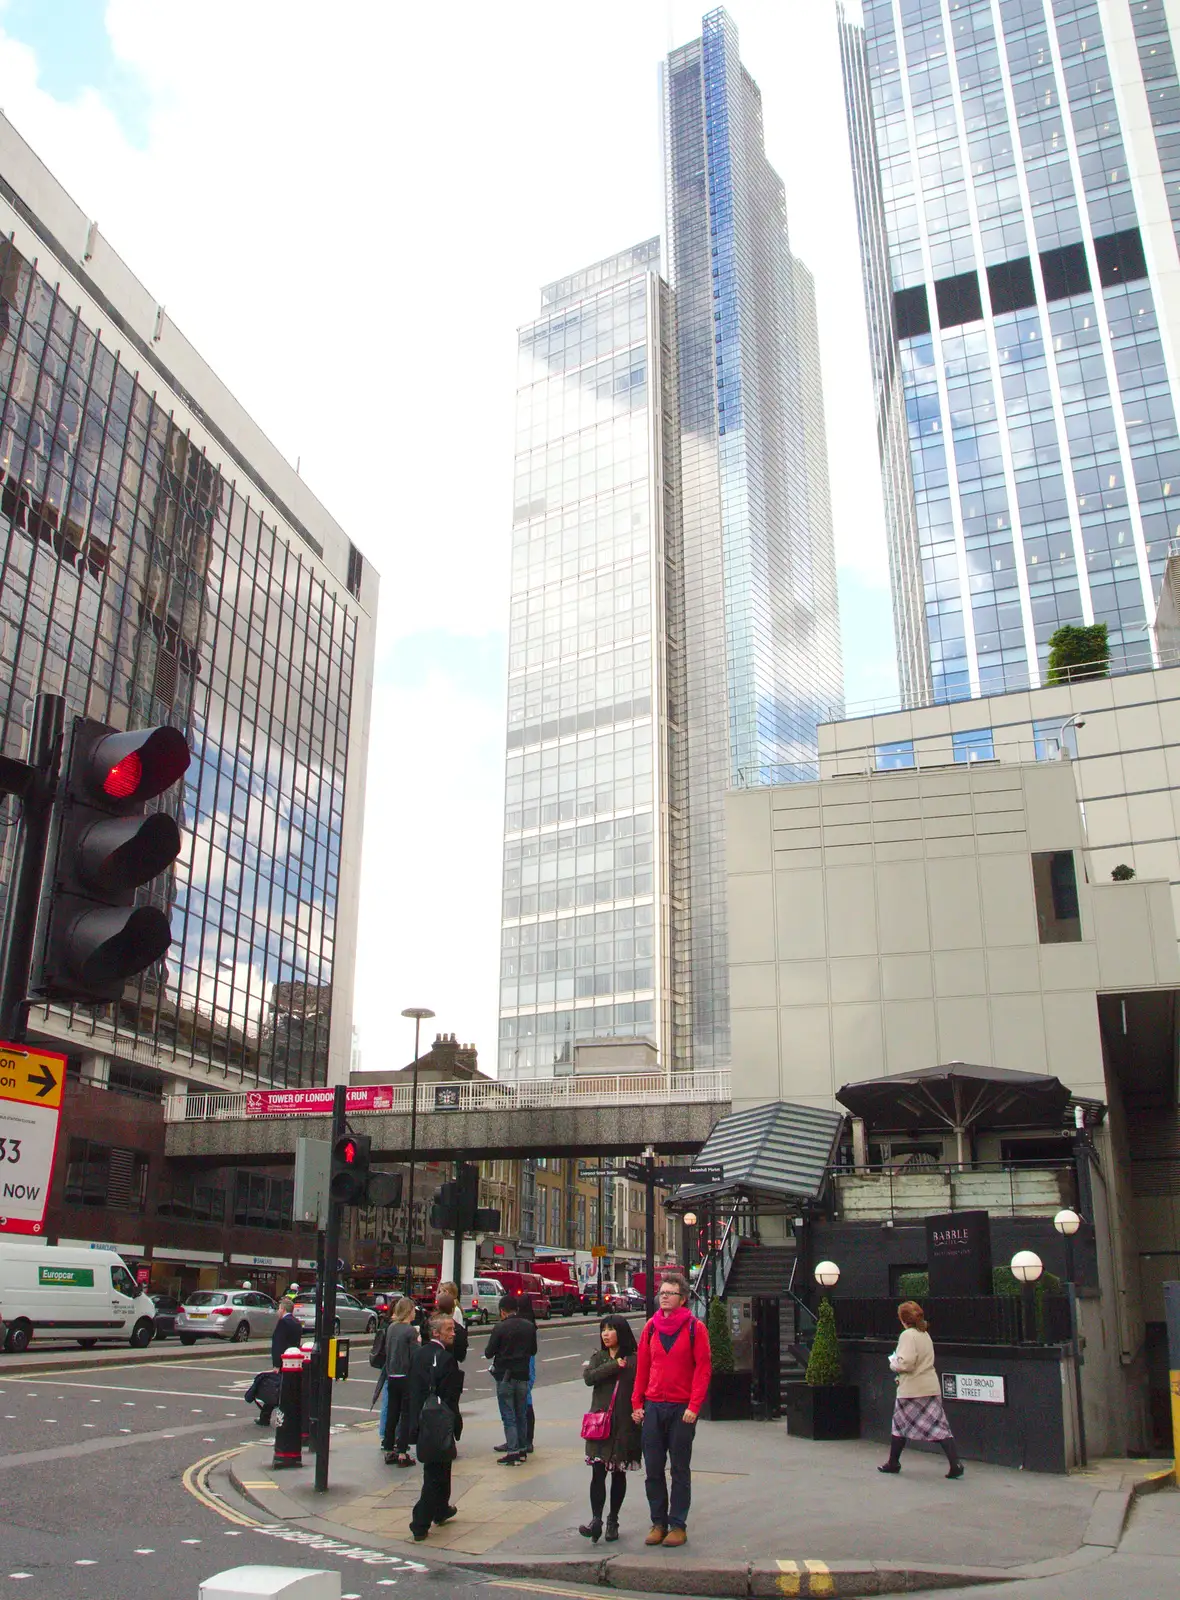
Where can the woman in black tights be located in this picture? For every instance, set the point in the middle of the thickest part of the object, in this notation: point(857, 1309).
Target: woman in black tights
point(611, 1374)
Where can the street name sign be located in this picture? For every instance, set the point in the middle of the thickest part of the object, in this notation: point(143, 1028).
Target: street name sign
point(986, 1388)
point(31, 1085)
point(637, 1172)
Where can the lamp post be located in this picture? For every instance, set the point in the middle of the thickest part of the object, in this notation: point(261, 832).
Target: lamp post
point(418, 1013)
point(1076, 721)
point(1067, 1223)
point(827, 1274)
point(1026, 1268)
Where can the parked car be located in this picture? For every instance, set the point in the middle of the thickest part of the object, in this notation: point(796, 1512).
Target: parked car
point(167, 1307)
point(635, 1301)
point(351, 1315)
point(527, 1284)
point(480, 1300)
point(234, 1314)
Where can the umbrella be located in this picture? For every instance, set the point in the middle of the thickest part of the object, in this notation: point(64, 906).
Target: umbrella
point(958, 1096)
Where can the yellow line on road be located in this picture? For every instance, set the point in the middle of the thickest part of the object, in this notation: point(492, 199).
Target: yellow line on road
point(544, 1588)
point(196, 1480)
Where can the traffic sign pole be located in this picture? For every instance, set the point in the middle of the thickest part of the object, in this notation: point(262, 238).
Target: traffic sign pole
point(649, 1259)
point(328, 1333)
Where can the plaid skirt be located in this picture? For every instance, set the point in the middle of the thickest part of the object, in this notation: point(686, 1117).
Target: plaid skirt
point(921, 1418)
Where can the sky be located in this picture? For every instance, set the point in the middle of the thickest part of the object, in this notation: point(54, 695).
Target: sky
point(349, 211)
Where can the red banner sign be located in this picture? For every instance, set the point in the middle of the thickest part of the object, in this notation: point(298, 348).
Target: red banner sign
point(315, 1102)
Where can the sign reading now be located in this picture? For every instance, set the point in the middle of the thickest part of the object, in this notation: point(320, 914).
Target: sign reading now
point(65, 1277)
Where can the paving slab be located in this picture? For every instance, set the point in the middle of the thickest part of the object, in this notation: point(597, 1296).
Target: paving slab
point(771, 1514)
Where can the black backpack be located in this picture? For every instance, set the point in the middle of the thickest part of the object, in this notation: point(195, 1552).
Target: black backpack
point(377, 1350)
point(436, 1428)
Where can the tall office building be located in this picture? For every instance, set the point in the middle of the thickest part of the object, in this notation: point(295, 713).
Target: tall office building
point(1018, 185)
point(762, 648)
point(162, 563)
point(594, 909)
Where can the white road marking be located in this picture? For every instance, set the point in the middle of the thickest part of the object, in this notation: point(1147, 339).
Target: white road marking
point(131, 1388)
point(89, 1424)
point(190, 1541)
point(145, 1550)
point(20, 1574)
point(85, 1563)
point(124, 1430)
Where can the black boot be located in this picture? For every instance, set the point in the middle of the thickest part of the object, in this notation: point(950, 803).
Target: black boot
point(592, 1529)
point(612, 1529)
point(896, 1446)
point(532, 1425)
point(950, 1450)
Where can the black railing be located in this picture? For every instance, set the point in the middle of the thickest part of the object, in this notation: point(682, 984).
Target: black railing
point(967, 1319)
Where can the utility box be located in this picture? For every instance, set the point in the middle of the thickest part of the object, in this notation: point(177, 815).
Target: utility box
point(740, 1310)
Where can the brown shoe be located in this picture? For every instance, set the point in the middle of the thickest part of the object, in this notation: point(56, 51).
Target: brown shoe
point(657, 1535)
point(675, 1536)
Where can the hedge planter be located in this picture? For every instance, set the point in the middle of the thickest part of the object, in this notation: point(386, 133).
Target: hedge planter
point(729, 1398)
point(823, 1411)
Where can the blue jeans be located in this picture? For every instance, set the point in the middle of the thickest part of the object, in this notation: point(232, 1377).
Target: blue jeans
point(384, 1409)
point(667, 1435)
point(512, 1398)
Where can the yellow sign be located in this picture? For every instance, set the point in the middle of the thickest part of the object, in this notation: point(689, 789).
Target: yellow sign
point(598, 1251)
point(34, 1076)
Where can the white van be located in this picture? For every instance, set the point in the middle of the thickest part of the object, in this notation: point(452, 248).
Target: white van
point(53, 1292)
point(479, 1301)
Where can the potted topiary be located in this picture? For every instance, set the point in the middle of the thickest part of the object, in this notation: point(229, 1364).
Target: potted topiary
point(728, 1399)
point(822, 1407)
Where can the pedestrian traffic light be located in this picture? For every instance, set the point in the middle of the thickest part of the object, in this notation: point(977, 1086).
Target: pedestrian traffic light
point(350, 1170)
point(93, 935)
point(456, 1207)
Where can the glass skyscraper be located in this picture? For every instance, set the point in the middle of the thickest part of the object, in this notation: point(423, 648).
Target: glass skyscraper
point(161, 563)
point(594, 913)
point(761, 630)
point(1017, 172)
point(674, 617)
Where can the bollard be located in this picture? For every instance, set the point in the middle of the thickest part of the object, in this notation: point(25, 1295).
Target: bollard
point(1172, 1315)
point(289, 1433)
point(272, 1583)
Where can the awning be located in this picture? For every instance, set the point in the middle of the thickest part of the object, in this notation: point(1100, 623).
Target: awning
point(959, 1097)
point(778, 1149)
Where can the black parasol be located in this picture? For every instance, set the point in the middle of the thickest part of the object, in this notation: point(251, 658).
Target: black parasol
point(958, 1096)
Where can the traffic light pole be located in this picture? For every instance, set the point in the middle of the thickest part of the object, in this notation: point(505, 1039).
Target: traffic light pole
point(328, 1310)
point(37, 792)
point(649, 1259)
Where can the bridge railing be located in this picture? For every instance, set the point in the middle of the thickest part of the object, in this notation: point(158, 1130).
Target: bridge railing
point(601, 1089)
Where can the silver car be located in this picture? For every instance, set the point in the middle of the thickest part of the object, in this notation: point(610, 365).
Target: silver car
point(351, 1316)
point(234, 1314)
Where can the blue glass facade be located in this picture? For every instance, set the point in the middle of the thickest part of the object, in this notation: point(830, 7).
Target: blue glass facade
point(1026, 264)
point(762, 652)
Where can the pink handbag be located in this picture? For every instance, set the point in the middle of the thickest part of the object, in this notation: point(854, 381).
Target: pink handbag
point(596, 1424)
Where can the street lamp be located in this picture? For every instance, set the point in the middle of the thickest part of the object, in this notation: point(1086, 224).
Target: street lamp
point(1076, 721)
point(1067, 1222)
point(419, 1013)
point(827, 1274)
point(1027, 1267)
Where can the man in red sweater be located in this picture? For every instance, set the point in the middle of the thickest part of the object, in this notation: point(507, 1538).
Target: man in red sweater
point(671, 1381)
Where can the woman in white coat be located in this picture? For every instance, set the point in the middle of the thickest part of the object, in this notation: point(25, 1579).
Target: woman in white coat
point(917, 1411)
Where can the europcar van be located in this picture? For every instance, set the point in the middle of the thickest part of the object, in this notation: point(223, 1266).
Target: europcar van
point(54, 1292)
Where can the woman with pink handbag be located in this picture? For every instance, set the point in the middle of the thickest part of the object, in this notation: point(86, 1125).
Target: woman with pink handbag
point(611, 1435)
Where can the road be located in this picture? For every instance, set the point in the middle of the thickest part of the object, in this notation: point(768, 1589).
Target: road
point(99, 1499)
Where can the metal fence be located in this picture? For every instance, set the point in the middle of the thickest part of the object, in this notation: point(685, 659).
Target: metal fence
point(622, 1089)
point(969, 1319)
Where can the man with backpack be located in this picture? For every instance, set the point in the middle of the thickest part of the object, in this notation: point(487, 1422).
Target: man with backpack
point(672, 1375)
point(511, 1350)
point(435, 1386)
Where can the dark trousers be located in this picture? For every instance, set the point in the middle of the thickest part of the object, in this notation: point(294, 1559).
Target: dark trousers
point(512, 1398)
point(666, 1436)
point(397, 1416)
point(435, 1499)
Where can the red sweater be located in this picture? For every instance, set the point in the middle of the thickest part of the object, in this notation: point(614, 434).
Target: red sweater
point(680, 1374)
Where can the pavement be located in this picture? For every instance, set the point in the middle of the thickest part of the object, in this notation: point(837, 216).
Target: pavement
point(771, 1514)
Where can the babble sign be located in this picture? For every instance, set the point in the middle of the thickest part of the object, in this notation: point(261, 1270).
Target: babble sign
point(31, 1084)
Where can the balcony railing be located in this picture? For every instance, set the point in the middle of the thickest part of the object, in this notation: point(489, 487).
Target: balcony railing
point(969, 1319)
point(622, 1089)
point(879, 1194)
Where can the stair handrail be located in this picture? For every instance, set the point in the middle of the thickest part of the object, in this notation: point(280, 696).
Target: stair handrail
point(716, 1264)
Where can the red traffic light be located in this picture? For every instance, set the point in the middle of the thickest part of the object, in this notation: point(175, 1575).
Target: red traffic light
point(124, 778)
point(137, 766)
point(348, 1153)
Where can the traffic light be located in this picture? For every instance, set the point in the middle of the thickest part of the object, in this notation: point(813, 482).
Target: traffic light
point(350, 1170)
point(456, 1207)
point(353, 1182)
point(94, 936)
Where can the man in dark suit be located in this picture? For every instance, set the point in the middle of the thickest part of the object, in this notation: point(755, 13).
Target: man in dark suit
point(434, 1370)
